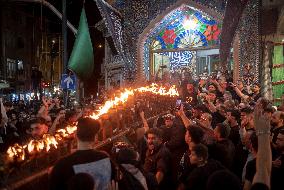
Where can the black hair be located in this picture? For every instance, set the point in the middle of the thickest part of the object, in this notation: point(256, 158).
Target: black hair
point(157, 132)
point(39, 120)
point(247, 110)
point(223, 180)
point(81, 181)
point(222, 129)
point(87, 129)
point(127, 156)
point(196, 133)
point(236, 114)
point(201, 151)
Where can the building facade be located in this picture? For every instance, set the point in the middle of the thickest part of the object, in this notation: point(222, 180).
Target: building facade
point(27, 46)
point(173, 36)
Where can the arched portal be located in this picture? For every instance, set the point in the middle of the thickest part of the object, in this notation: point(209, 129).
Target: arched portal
point(175, 39)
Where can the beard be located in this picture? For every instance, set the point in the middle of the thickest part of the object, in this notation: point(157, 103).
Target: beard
point(279, 148)
point(273, 124)
point(153, 146)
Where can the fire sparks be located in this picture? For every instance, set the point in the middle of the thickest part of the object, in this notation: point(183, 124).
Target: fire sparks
point(49, 141)
point(155, 89)
point(111, 103)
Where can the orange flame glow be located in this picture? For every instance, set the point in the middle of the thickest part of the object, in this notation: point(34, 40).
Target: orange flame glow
point(49, 141)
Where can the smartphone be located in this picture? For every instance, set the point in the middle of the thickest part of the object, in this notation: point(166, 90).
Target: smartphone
point(178, 104)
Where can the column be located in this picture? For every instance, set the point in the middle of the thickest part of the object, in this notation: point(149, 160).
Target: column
point(266, 85)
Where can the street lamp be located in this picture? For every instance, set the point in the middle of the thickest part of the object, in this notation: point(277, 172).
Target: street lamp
point(53, 54)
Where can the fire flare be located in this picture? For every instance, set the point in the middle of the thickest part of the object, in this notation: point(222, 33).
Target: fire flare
point(49, 141)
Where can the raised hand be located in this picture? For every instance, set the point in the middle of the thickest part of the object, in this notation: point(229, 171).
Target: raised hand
point(44, 101)
point(261, 120)
point(142, 114)
point(180, 112)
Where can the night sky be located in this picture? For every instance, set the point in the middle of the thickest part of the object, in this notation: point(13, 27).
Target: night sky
point(74, 8)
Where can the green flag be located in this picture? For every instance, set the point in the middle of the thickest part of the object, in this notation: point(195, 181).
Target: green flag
point(81, 61)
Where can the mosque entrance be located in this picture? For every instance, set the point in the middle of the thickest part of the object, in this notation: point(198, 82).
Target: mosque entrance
point(186, 40)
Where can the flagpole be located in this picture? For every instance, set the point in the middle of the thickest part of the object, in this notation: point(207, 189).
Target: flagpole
point(64, 37)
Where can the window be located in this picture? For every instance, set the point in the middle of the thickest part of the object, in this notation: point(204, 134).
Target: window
point(11, 68)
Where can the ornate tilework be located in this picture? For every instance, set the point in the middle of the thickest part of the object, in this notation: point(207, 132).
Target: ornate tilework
point(137, 14)
point(250, 43)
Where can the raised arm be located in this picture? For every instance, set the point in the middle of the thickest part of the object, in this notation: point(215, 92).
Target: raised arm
point(145, 123)
point(187, 122)
point(42, 111)
point(239, 92)
point(60, 115)
point(264, 155)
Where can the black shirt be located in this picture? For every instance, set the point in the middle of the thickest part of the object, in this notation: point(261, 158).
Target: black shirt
point(235, 135)
point(277, 175)
point(197, 178)
point(93, 162)
point(223, 151)
point(159, 160)
point(250, 170)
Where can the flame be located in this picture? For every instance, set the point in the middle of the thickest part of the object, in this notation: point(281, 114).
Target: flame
point(16, 151)
point(48, 141)
point(31, 146)
point(111, 103)
point(155, 89)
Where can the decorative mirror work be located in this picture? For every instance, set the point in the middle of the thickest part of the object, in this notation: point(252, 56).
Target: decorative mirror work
point(189, 30)
point(250, 44)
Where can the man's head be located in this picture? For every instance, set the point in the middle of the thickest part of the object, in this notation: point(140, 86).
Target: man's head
point(154, 138)
point(227, 96)
point(240, 85)
point(212, 88)
point(206, 119)
point(48, 120)
point(255, 88)
point(221, 131)
point(246, 115)
point(211, 96)
point(269, 111)
point(127, 156)
point(223, 180)
point(39, 127)
point(277, 119)
point(71, 116)
point(190, 87)
point(229, 104)
point(8, 106)
point(199, 155)
point(169, 120)
point(87, 129)
point(233, 116)
point(280, 141)
point(194, 134)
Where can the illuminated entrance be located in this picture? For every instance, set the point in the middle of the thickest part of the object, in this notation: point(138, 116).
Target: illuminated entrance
point(185, 40)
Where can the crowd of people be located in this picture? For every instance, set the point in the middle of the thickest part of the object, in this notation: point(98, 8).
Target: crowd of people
point(219, 135)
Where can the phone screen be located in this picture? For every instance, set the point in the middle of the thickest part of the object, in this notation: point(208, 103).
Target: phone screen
point(178, 103)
